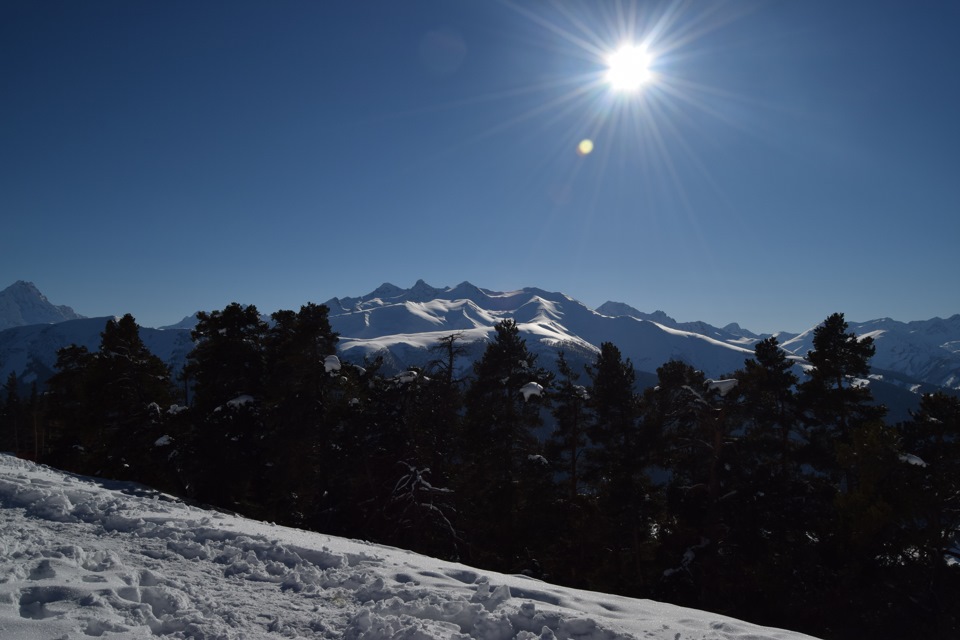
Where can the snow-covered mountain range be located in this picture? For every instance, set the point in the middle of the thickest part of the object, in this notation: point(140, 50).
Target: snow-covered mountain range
point(401, 325)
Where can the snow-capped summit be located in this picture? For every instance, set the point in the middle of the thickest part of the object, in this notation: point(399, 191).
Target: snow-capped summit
point(22, 304)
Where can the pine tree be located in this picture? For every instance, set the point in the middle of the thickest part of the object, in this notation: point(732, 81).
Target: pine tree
point(618, 463)
point(226, 368)
point(931, 445)
point(298, 393)
point(132, 387)
point(766, 387)
point(690, 429)
point(228, 359)
point(857, 495)
point(767, 514)
point(11, 415)
point(500, 452)
point(572, 559)
point(568, 442)
point(70, 413)
point(834, 393)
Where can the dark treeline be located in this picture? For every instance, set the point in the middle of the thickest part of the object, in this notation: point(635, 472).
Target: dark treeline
point(783, 500)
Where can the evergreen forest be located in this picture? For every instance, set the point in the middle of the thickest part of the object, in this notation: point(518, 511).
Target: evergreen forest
point(777, 495)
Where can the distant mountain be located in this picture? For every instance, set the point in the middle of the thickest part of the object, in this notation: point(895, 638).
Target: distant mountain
point(401, 325)
point(22, 304)
point(31, 351)
point(908, 353)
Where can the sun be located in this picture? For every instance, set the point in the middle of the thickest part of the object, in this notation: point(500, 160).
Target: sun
point(628, 68)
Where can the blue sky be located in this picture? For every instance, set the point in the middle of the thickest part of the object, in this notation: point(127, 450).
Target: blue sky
point(788, 160)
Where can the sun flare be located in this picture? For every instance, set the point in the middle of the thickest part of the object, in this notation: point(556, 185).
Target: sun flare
point(628, 68)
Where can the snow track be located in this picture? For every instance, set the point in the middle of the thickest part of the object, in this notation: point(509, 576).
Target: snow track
point(81, 558)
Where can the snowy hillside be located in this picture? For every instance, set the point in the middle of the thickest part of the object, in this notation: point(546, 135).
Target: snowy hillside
point(81, 557)
point(22, 304)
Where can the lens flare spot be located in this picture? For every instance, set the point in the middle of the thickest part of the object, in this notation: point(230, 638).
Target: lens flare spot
point(585, 147)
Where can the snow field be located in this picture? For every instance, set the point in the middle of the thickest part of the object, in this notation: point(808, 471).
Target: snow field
point(83, 558)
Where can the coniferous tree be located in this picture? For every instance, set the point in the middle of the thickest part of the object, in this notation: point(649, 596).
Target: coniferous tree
point(105, 409)
point(834, 394)
point(768, 511)
point(298, 393)
point(571, 559)
point(70, 413)
point(618, 464)
point(226, 368)
point(132, 388)
point(440, 420)
point(931, 445)
point(227, 360)
point(500, 453)
point(852, 461)
point(415, 444)
point(11, 415)
point(767, 394)
point(568, 443)
point(674, 415)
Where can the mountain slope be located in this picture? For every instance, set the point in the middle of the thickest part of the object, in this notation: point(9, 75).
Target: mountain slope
point(93, 558)
point(22, 304)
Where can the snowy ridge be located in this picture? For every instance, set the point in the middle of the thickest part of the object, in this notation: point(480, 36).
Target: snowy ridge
point(83, 557)
point(733, 333)
point(399, 325)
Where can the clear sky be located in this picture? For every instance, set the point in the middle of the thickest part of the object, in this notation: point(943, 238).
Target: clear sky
point(785, 159)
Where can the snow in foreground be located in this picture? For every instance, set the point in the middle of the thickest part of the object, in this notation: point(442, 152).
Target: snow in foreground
point(81, 557)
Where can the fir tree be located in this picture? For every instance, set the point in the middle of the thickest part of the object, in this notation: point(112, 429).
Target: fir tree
point(70, 408)
point(834, 394)
point(499, 449)
point(931, 445)
point(226, 368)
point(298, 393)
point(618, 463)
point(132, 386)
point(572, 559)
point(568, 442)
point(11, 415)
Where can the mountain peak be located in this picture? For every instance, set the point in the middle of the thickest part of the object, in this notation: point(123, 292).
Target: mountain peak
point(611, 308)
point(422, 292)
point(385, 290)
point(22, 304)
point(23, 288)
